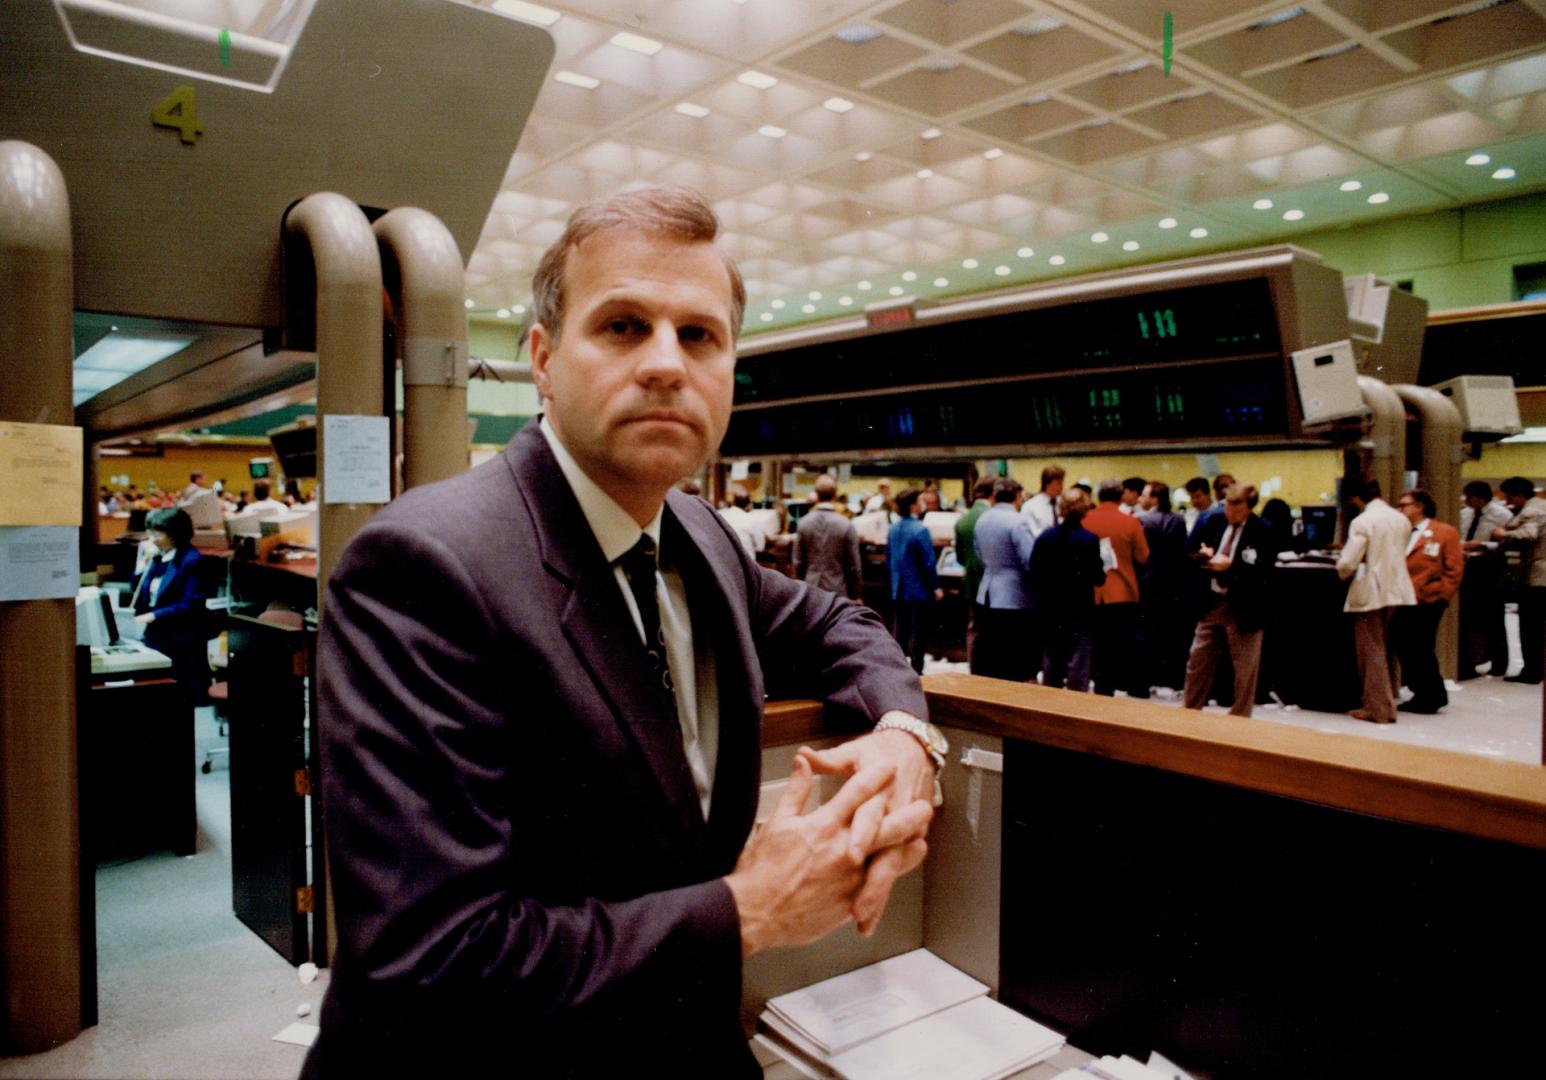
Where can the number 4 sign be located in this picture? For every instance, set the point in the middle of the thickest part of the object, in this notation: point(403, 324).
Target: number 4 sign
point(177, 110)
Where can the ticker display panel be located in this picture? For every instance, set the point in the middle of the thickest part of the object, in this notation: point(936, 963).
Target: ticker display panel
point(1224, 399)
point(1200, 322)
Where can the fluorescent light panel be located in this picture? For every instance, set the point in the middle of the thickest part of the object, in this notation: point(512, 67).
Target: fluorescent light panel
point(572, 78)
point(636, 43)
point(527, 13)
point(757, 80)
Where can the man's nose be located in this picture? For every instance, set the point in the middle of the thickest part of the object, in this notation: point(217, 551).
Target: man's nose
point(663, 359)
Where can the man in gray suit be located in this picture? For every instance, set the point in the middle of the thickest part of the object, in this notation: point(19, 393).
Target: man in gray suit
point(1007, 646)
point(541, 687)
point(826, 547)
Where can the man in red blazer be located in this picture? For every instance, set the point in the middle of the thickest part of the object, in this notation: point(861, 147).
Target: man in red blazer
point(1117, 660)
point(1434, 560)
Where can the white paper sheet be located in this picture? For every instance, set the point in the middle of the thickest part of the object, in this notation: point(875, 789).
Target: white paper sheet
point(356, 459)
point(977, 1040)
point(843, 1011)
point(39, 562)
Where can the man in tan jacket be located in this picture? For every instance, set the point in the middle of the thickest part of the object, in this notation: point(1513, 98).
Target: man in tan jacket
point(1375, 558)
point(1528, 529)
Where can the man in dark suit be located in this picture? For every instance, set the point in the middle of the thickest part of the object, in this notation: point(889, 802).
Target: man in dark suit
point(541, 686)
point(1165, 617)
point(1240, 552)
point(826, 547)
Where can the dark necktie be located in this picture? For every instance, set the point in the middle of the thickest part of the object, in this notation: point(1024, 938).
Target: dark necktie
point(639, 566)
point(1476, 519)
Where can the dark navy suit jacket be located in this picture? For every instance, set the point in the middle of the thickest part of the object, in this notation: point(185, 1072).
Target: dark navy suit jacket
point(179, 604)
point(524, 881)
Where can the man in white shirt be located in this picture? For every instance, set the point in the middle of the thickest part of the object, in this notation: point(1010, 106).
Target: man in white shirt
point(738, 514)
point(263, 500)
point(541, 691)
point(1041, 510)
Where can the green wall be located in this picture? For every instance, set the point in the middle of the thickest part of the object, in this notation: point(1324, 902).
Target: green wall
point(1455, 258)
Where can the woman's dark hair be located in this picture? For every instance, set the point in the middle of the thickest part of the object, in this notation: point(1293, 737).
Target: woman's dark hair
point(1277, 514)
point(173, 521)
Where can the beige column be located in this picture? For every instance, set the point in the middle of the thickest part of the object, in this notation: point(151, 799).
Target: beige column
point(423, 269)
point(40, 841)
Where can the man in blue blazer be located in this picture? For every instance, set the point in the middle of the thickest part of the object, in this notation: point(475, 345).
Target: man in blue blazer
point(1007, 647)
point(914, 584)
point(541, 687)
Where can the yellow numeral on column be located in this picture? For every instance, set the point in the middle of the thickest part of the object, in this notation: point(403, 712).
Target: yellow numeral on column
point(177, 110)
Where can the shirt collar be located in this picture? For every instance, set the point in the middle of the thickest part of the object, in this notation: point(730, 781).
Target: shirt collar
point(614, 528)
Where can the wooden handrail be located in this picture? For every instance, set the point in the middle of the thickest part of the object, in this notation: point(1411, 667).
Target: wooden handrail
point(1463, 793)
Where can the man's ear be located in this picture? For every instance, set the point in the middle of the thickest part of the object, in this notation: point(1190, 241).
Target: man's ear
point(541, 357)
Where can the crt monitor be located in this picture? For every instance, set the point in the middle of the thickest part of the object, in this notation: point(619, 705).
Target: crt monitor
point(296, 448)
point(1320, 526)
point(260, 468)
point(95, 623)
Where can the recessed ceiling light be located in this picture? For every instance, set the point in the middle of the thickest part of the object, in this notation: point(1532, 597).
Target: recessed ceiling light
point(1198, 233)
point(863, 155)
point(469, 304)
point(858, 34)
point(1504, 173)
point(772, 131)
point(572, 78)
point(1025, 252)
point(766, 316)
point(1349, 185)
point(687, 108)
point(809, 309)
point(924, 174)
point(1129, 245)
point(1262, 204)
point(837, 104)
point(930, 133)
point(532, 13)
point(503, 313)
point(1168, 223)
point(846, 301)
point(895, 290)
point(757, 79)
point(968, 264)
point(1001, 271)
point(993, 154)
point(1478, 159)
point(1379, 197)
point(777, 305)
point(636, 43)
point(1099, 238)
point(941, 282)
point(1292, 215)
point(909, 275)
point(1057, 260)
point(813, 295)
point(864, 286)
point(519, 309)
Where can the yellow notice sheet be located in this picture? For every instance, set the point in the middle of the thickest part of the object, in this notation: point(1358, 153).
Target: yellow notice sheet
point(41, 472)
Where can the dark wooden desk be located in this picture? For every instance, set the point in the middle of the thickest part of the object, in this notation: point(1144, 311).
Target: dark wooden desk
point(137, 767)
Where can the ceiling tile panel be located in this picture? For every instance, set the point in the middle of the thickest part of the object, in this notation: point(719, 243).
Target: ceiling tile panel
point(946, 22)
point(1042, 55)
point(1027, 119)
point(852, 64)
point(939, 91)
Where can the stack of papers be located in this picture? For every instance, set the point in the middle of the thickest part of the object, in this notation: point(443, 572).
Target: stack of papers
point(910, 1016)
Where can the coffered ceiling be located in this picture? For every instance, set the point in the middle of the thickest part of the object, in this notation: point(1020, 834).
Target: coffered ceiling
point(860, 150)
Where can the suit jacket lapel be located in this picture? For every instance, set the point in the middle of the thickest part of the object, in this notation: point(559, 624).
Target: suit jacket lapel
point(599, 628)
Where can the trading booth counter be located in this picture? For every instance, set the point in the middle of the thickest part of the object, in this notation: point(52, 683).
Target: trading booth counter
point(1245, 897)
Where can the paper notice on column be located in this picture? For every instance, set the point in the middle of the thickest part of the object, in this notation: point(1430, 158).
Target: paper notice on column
point(39, 562)
point(41, 472)
point(356, 459)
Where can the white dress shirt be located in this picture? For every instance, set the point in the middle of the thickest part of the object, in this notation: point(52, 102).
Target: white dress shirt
point(691, 661)
point(1039, 513)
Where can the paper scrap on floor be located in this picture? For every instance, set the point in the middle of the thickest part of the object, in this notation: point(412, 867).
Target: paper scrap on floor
point(298, 1033)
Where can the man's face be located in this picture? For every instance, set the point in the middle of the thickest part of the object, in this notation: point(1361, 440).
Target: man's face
point(1148, 501)
point(1475, 503)
point(1055, 489)
point(1130, 497)
point(1411, 508)
point(1236, 511)
point(638, 385)
point(1201, 500)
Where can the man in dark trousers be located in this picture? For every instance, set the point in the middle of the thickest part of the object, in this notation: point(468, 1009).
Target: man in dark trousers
point(1240, 552)
point(541, 689)
point(914, 584)
point(971, 562)
point(1006, 638)
point(1066, 569)
point(826, 547)
point(1165, 616)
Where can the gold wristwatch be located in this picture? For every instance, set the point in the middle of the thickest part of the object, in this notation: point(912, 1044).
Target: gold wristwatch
point(929, 737)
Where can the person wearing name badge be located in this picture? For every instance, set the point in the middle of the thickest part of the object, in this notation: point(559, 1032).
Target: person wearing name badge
point(1374, 558)
point(1434, 560)
point(1233, 620)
